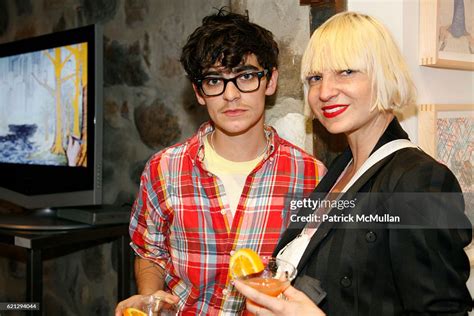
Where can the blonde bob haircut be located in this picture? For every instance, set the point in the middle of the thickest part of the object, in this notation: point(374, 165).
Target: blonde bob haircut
point(359, 42)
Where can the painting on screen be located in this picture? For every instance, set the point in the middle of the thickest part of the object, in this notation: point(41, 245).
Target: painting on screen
point(43, 112)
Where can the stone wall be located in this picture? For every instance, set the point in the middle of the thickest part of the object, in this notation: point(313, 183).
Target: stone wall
point(148, 105)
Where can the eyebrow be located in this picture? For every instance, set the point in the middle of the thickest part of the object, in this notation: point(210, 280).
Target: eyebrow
point(244, 67)
point(236, 69)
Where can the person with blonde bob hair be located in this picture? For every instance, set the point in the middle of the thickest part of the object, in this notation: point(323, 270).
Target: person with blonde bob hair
point(392, 243)
point(360, 42)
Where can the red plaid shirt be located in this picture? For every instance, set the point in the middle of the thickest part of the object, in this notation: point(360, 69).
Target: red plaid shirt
point(181, 219)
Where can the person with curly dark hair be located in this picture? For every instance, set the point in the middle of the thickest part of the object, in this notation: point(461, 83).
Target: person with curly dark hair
point(224, 188)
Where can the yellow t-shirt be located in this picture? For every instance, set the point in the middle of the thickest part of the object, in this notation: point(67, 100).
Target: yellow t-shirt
point(232, 174)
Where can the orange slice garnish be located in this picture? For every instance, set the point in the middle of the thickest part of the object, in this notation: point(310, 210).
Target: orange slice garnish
point(130, 311)
point(244, 262)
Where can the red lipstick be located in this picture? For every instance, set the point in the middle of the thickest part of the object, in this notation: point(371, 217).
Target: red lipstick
point(331, 111)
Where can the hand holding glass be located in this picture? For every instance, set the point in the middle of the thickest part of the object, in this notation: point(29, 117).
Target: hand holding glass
point(273, 280)
point(152, 305)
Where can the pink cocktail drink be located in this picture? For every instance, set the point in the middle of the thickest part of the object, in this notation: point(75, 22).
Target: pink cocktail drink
point(274, 279)
point(272, 287)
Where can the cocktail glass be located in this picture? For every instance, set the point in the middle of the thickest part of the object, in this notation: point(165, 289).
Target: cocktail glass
point(153, 306)
point(273, 280)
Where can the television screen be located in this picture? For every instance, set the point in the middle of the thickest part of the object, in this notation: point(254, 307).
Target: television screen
point(42, 101)
point(51, 119)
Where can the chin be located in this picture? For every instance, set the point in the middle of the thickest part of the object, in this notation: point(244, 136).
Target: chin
point(334, 128)
point(239, 126)
point(235, 129)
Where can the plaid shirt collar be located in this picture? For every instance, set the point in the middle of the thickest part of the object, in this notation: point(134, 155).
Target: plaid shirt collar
point(196, 144)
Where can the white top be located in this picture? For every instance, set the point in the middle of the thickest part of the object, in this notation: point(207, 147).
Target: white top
point(232, 174)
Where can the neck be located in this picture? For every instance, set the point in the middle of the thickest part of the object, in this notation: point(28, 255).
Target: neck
point(363, 141)
point(238, 148)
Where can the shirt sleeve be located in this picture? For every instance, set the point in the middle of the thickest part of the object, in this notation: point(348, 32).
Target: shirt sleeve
point(149, 222)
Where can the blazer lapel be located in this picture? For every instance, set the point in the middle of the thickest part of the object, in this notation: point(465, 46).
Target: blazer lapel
point(325, 227)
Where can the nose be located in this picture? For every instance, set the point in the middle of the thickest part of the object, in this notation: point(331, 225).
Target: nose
point(231, 92)
point(328, 88)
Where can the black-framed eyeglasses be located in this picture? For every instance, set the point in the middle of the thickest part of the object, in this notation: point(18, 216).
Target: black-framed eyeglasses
point(246, 82)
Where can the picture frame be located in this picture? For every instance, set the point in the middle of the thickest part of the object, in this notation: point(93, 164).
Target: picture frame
point(321, 10)
point(446, 132)
point(447, 34)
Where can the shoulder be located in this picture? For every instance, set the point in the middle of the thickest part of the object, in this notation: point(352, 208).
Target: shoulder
point(416, 160)
point(169, 157)
point(289, 149)
point(169, 153)
point(185, 151)
point(298, 155)
point(417, 170)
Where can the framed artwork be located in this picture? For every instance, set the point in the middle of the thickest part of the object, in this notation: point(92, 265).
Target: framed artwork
point(447, 34)
point(446, 132)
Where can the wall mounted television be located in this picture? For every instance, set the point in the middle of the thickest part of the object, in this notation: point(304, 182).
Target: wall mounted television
point(51, 97)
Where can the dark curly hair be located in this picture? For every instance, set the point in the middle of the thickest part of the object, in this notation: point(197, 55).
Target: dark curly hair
point(227, 38)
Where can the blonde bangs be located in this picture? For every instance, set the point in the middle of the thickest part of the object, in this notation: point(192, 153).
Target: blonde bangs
point(336, 46)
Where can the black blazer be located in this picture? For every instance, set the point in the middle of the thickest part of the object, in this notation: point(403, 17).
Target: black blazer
point(414, 267)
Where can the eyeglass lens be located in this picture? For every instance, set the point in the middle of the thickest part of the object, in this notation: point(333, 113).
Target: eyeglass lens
point(246, 82)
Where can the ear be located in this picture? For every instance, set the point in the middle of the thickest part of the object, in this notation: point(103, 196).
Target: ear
point(199, 97)
point(272, 83)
